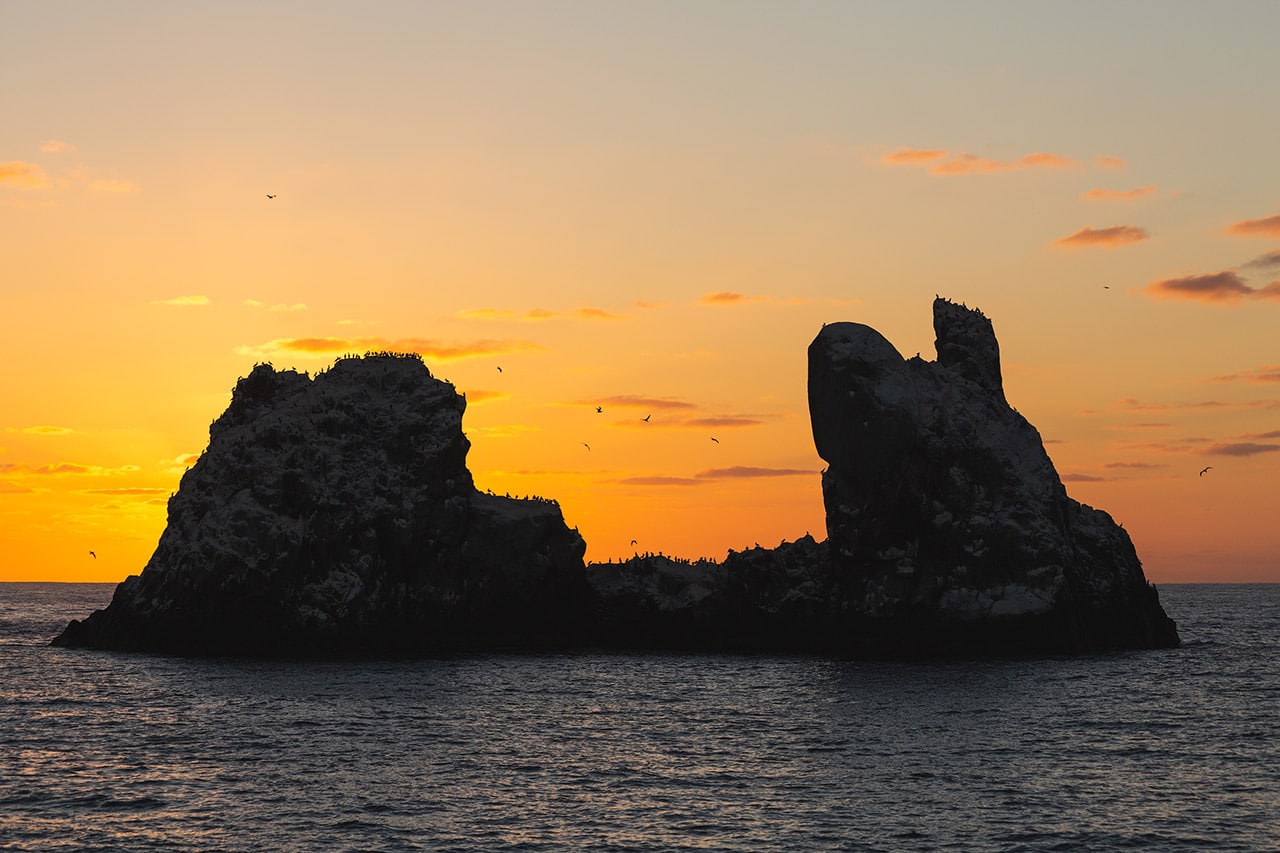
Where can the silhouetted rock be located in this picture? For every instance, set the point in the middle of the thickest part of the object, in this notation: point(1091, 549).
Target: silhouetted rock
point(337, 514)
point(947, 522)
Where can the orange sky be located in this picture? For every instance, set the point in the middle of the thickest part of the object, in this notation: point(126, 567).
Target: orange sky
point(650, 208)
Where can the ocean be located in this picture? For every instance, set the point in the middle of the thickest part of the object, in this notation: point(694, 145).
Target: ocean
point(1167, 750)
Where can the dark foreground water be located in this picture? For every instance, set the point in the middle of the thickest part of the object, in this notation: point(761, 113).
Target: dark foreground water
point(1166, 750)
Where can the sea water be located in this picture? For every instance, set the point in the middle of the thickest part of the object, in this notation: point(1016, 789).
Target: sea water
point(1165, 750)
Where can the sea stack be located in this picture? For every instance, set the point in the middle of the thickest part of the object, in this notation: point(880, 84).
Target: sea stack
point(336, 514)
point(947, 524)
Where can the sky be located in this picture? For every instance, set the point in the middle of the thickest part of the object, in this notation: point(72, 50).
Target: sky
point(650, 208)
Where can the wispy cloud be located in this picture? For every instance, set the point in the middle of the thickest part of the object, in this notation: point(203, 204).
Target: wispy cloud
point(56, 146)
point(1242, 448)
point(660, 481)
point(1134, 404)
point(538, 315)
point(747, 472)
point(1218, 287)
point(24, 176)
point(1109, 161)
point(941, 162)
point(646, 304)
point(913, 156)
point(630, 401)
point(1082, 478)
point(1268, 226)
point(1119, 195)
point(1133, 466)
point(726, 421)
point(1115, 235)
point(1268, 373)
point(279, 308)
point(738, 472)
point(74, 468)
point(185, 301)
point(1270, 260)
point(46, 430)
point(730, 297)
point(440, 350)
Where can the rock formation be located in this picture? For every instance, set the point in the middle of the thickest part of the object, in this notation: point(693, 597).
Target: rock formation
point(946, 521)
point(337, 514)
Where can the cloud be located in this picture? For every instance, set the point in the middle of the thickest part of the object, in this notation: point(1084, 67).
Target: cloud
point(1271, 291)
point(646, 304)
point(110, 185)
point(942, 162)
point(199, 301)
point(1265, 374)
point(279, 308)
point(912, 156)
point(440, 350)
point(1115, 235)
point(1135, 404)
point(747, 472)
point(24, 176)
point(56, 146)
point(723, 421)
point(538, 315)
point(1225, 286)
point(46, 430)
point(1133, 466)
point(629, 401)
point(729, 297)
point(660, 481)
point(1268, 226)
point(1119, 195)
point(1082, 478)
point(11, 489)
point(1271, 260)
point(1109, 161)
point(724, 297)
point(1242, 448)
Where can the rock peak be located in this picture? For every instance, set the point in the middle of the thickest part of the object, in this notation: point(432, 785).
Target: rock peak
point(966, 343)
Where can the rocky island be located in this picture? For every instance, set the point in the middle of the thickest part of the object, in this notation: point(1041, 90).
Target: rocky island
point(336, 515)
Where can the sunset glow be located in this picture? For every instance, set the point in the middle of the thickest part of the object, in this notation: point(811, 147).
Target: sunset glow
point(620, 226)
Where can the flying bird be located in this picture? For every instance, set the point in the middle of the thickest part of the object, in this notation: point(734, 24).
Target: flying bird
point(599, 409)
point(499, 369)
point(633, 541)
point(646, 418)
point(716, 440)
point(1205, 468)
point(269, 195)
point(587, 446)
point(91, 554)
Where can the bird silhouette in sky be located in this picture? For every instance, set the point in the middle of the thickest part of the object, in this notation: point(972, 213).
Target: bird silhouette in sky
point(599, 409)
point(587, 446)
point(499, 369)
point(633, 541)
point(91, 554)
point(716, 440)
point(269, 195)
point(646, 418)
point(1205, 468)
